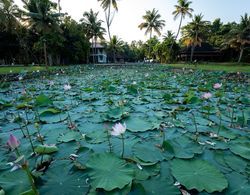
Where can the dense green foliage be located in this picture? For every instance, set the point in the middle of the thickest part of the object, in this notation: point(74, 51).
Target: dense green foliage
point(38, 32)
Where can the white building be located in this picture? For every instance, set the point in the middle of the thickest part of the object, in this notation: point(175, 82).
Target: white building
point(98, 54)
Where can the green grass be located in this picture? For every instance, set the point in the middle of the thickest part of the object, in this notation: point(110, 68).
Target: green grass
point(18, 69)
point(228, 67)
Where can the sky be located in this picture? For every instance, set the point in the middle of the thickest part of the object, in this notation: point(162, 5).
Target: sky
point(130, 12)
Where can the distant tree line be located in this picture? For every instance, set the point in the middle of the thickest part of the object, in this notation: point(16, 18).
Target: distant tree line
point(39, 33)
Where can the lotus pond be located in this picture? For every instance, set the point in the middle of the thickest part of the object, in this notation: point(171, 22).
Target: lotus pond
point(184, 134)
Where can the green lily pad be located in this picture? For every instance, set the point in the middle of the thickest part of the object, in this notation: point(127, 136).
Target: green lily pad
point(107, 171)
point(198, 174)
point(49, 111)
point(238, 184)
point(43, 100)
point(241, 149)
point(45, 149)
point(14, 182)
point(236, 163)
point(184, 147)
point(58, 180)
point(147, 152)
point(158, 186)
point(69, 136)
point(116, 114)
point(136, 124)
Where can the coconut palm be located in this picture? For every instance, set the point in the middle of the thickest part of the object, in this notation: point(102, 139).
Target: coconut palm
point(59, 6)
point(8, 15)
point(169, 36)
point(239, 37)
point(181, 10)
point(152, 22)
point(193, 33)
point(93, 27)
point(40, 16)
point(107, 6)
point(115, 46)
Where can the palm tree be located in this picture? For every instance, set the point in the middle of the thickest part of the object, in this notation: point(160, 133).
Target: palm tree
point(8, 15)
point(152, 22)
point(239, 37)
point(59, 6)
point(193, 33)
point(182, 9)
point(94, 28)
point(107, 6)
point(115, 46)
point(40, 16)
point(169, 36)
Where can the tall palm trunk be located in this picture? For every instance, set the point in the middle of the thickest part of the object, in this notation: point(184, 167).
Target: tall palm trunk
point(45, 54)
point(149, 47)
point(192, 52)
point(193, 46)
point(107, 16)
point(96, 54)
point(241, 53)
point(59, 7)
point(93, 50)
point(176, 34)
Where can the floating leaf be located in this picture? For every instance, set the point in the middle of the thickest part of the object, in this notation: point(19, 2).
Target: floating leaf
point(58, 180)
point(158, 186)
point(242, 149)
point(136, 124)
point(14, 182)
point(198, 174)
point(109, 172)
point(49, 111)
point(147, 152)
point(45, 149)
point(69, 136)
point(43, 100)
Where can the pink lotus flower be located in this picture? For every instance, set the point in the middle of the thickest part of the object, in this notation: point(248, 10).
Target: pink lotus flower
point(118, 129)
point(67, 87)
point(207, 95)
point(13, 142)
point(217, 85)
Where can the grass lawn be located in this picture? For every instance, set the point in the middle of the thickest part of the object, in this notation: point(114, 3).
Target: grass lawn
point(18, 69)
point(228, 67)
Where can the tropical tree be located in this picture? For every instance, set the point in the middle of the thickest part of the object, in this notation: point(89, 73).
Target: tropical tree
point(8, 15)
point(169, 47)
point(41, 17)
point(94, 29)
point(239, 37)
point(76, 45)
point(115, 46)
point(181, 10)
point(149, 47)
point(59, 6)
point(194, 32)
point(110, 7)
point(152, 22)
